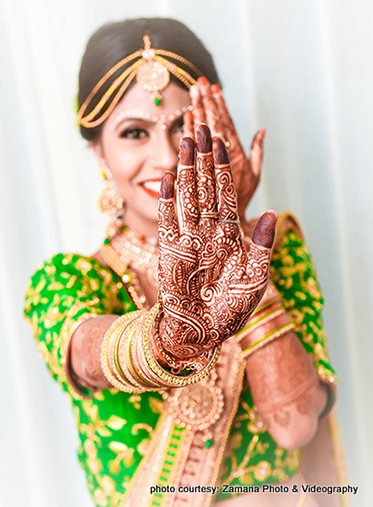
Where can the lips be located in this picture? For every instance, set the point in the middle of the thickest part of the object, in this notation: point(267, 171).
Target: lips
point(151, 187)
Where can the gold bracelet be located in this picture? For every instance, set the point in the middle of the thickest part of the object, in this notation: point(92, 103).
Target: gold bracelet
point(267, 323)
point(264, 340)
point(106, 363)
point(121, 353)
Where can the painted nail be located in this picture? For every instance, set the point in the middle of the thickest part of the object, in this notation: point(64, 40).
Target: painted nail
point(215, 88)
point(202, 81)
point(167, 186)
point(188, 116)
point(203, 138)
point(264, 232)
point(186, 154)
point(220, 151)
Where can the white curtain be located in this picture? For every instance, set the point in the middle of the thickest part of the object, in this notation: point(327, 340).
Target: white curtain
point(304, 71)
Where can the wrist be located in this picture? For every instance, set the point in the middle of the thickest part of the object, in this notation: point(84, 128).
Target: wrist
point(268, 322)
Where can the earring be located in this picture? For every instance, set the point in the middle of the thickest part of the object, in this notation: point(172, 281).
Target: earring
point(109, 201)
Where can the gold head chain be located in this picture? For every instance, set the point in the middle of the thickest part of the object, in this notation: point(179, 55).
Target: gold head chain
point(152, 71)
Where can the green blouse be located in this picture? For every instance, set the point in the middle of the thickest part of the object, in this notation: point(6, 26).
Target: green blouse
point(116, 428)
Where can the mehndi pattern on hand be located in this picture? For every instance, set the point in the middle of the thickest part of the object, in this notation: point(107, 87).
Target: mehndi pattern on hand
point(209, 285)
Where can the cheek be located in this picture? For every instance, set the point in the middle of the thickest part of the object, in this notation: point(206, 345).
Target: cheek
point(125, 166)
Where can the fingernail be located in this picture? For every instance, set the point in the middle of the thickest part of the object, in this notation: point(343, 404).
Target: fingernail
point(202, 81)
point(186, 155)
point(203, 138)
point(262, 133)
point(264, 232)
point(167, 186)
point(215, 88)
point(188, 116)
point(219, 151)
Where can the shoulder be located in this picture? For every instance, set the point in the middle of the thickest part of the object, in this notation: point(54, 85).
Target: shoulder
point(71, 263)
point(70, 274)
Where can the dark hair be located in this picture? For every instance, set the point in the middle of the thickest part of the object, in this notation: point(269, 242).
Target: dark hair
point(114, 41)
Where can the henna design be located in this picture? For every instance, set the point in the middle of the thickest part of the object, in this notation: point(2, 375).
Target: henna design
point(209, 285)
point(209, 106)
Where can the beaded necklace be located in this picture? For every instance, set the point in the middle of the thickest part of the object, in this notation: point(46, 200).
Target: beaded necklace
point(124, 249)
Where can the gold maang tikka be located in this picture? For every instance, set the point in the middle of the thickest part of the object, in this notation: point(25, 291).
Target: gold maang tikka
point(152, 70)
point(109, 201)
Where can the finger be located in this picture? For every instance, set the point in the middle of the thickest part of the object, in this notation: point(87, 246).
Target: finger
point(260, 252)
point(186, 186)
point(205, 173)
point(256, 152)
point(210, 108)
point(168, 230)
point(227, 198)
point(264, 232)
point(198, 111)
point(230, 134)
point(189, 124)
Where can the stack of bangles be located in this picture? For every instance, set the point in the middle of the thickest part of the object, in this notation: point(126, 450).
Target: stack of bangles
point(267, 323)
point(128, 357)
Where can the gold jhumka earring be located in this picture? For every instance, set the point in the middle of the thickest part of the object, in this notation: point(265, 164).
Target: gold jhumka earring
point(109, 201)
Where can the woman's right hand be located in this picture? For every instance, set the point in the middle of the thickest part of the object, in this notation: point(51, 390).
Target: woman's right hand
point(209, 107)
point(209, 285)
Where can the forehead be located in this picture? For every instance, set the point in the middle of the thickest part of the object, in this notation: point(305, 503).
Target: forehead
point(139, 100)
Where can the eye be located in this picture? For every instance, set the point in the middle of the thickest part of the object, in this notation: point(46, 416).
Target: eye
point(134, 133)
point(178, 127)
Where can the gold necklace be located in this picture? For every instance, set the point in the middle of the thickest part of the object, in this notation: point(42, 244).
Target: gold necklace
point(125, 250)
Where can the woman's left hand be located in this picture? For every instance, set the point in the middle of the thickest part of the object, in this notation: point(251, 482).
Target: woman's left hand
point(209, 107)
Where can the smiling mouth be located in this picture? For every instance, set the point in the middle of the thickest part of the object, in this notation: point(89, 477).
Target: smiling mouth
point(152, 187)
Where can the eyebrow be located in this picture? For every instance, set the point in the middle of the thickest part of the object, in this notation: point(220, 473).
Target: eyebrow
point(132, 115)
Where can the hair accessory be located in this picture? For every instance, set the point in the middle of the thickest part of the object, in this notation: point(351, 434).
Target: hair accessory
point(109, 202)
point(152, 70)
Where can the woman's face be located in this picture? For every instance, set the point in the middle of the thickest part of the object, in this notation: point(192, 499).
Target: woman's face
point(139, 142)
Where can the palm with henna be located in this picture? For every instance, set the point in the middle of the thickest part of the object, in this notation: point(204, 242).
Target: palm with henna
point(209, 107)
point(209, 284)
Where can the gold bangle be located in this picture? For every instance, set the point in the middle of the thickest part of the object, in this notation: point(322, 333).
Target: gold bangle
point(264, 340)
point(109, 337)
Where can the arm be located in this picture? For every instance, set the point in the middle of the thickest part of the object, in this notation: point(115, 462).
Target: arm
point(291, 379)
point(85, 363)
point(208, 288)
point(286, 390)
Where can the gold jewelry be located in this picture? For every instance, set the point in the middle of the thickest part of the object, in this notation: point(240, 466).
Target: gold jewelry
point(160, 120)
point(152, 70)
point(267, 323)
point(124, 249)
point(127, 358)
point(208, 214)
point(197, 407)
point(107, 353)
point(109, 201)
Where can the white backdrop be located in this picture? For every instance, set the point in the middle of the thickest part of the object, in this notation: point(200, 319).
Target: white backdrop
point(301, 69)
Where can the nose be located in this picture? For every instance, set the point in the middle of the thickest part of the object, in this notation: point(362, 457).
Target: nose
point(164, 152)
